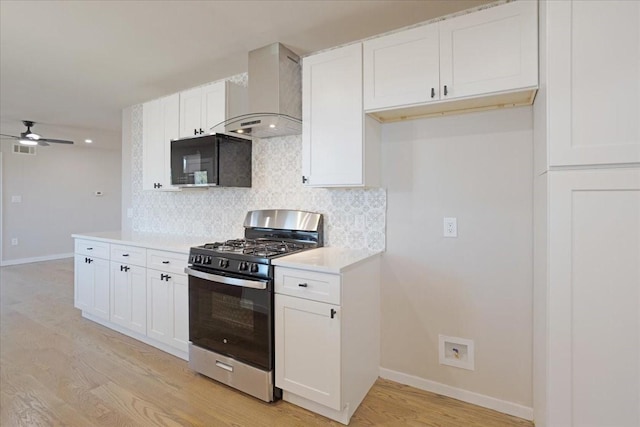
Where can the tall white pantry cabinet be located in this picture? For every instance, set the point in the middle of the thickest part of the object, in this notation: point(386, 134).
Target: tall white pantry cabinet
point(587, 215)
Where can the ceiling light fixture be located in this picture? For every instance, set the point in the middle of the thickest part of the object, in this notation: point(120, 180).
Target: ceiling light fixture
point(33, 136)
point(88, 141)
point(28, 141)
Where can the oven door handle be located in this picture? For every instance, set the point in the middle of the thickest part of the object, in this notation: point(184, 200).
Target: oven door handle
point(255, 284)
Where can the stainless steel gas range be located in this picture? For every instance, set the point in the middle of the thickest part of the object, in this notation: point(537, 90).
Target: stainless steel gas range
point(231, 318)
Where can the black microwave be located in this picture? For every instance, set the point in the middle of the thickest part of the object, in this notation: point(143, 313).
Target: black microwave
point(211, 160)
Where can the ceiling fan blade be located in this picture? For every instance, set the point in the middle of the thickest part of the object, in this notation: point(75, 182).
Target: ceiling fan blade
point(42, 143)
point(9, 136)
point(56, 141)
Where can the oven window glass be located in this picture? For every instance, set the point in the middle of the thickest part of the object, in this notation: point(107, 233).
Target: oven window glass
point(231, 320)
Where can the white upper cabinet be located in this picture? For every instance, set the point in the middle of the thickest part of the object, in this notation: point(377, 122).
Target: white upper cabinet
point(160, 122)
point(483, 59)
point(203, 107)
point(492, 50)
point(402, 68)
point(593, 82)
point(335, 150)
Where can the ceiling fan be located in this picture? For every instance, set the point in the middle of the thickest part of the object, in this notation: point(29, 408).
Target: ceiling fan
point(31, 138)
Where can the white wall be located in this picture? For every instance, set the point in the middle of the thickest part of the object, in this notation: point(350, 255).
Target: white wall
point(478, 168)
point(57, 188)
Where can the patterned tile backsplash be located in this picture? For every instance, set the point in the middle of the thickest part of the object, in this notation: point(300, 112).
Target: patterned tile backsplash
point(354, 218)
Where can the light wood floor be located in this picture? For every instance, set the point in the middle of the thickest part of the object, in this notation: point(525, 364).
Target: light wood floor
point(57, 368)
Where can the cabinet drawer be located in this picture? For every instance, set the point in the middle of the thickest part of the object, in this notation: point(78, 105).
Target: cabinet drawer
point(173, 262)
point(92, 248)
point(129, 254)
point(308, 284)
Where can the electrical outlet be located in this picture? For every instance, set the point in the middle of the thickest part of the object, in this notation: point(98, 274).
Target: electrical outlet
point(14, 242)
point(450, 227)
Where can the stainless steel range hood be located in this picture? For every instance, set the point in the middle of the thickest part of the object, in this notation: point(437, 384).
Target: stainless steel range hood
point(275, 95)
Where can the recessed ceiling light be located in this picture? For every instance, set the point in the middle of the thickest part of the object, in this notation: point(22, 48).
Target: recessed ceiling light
point(272, 126)
point(88, 141)
point(240, 131)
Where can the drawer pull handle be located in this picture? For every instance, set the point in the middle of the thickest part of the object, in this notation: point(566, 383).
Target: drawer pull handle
point(125, 254)
point(165, 262)
point(433, 92)
point(303, 285)
point(333, 313)
point(224, 366)
point(89, 249)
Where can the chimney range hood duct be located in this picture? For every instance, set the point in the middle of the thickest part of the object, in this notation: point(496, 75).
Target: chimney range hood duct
point(275, 96)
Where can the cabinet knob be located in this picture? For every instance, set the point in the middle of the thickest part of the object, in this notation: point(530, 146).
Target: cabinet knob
point(304, 179)
point(195, 131)
point(201, 131)
point(446, 91)
point(333, 313)
point(303, 285)
point(433, 92)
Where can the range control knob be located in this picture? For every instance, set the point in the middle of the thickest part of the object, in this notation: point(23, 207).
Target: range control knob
point(243, 266)
point(206, 260)
point(223, 263)
point(198, 259)
point(254, 268)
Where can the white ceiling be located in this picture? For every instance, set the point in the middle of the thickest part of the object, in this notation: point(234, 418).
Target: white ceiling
point(77, 64)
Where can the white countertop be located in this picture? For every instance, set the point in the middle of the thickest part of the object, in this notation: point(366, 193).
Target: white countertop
point(325, 259)
point(162, 242)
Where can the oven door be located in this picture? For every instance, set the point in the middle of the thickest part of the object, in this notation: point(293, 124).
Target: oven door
point(232, 316)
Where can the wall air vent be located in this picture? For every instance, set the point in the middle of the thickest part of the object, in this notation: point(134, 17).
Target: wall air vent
point(24, 149)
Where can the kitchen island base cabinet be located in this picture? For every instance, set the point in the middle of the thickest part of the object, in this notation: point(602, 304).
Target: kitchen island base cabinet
point(135, 290)
point(327, 336)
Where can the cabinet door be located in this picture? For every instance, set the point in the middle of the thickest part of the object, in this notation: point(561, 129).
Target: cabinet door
point(191, 112)
point(180, 336)
point(160, 124)
point(214, 105)
point(159, 307)
point(593, 311)
point(307, 337)
point(101, 283)
point(491, 50)
point(128, 297)
point(168, 308)
point(402, 68)
point(594, 82)
point(332, 125)
point(83, 283)
point(153, 159)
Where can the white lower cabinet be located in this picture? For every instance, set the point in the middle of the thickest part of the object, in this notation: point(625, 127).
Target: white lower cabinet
point(92, 285)
point(148, 304)
point(327, 337)
point(129, 296)
point(308, 349)
point(168, 308)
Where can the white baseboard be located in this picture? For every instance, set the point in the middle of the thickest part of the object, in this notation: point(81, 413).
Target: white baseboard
point(35, 259)
point(460, 394)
